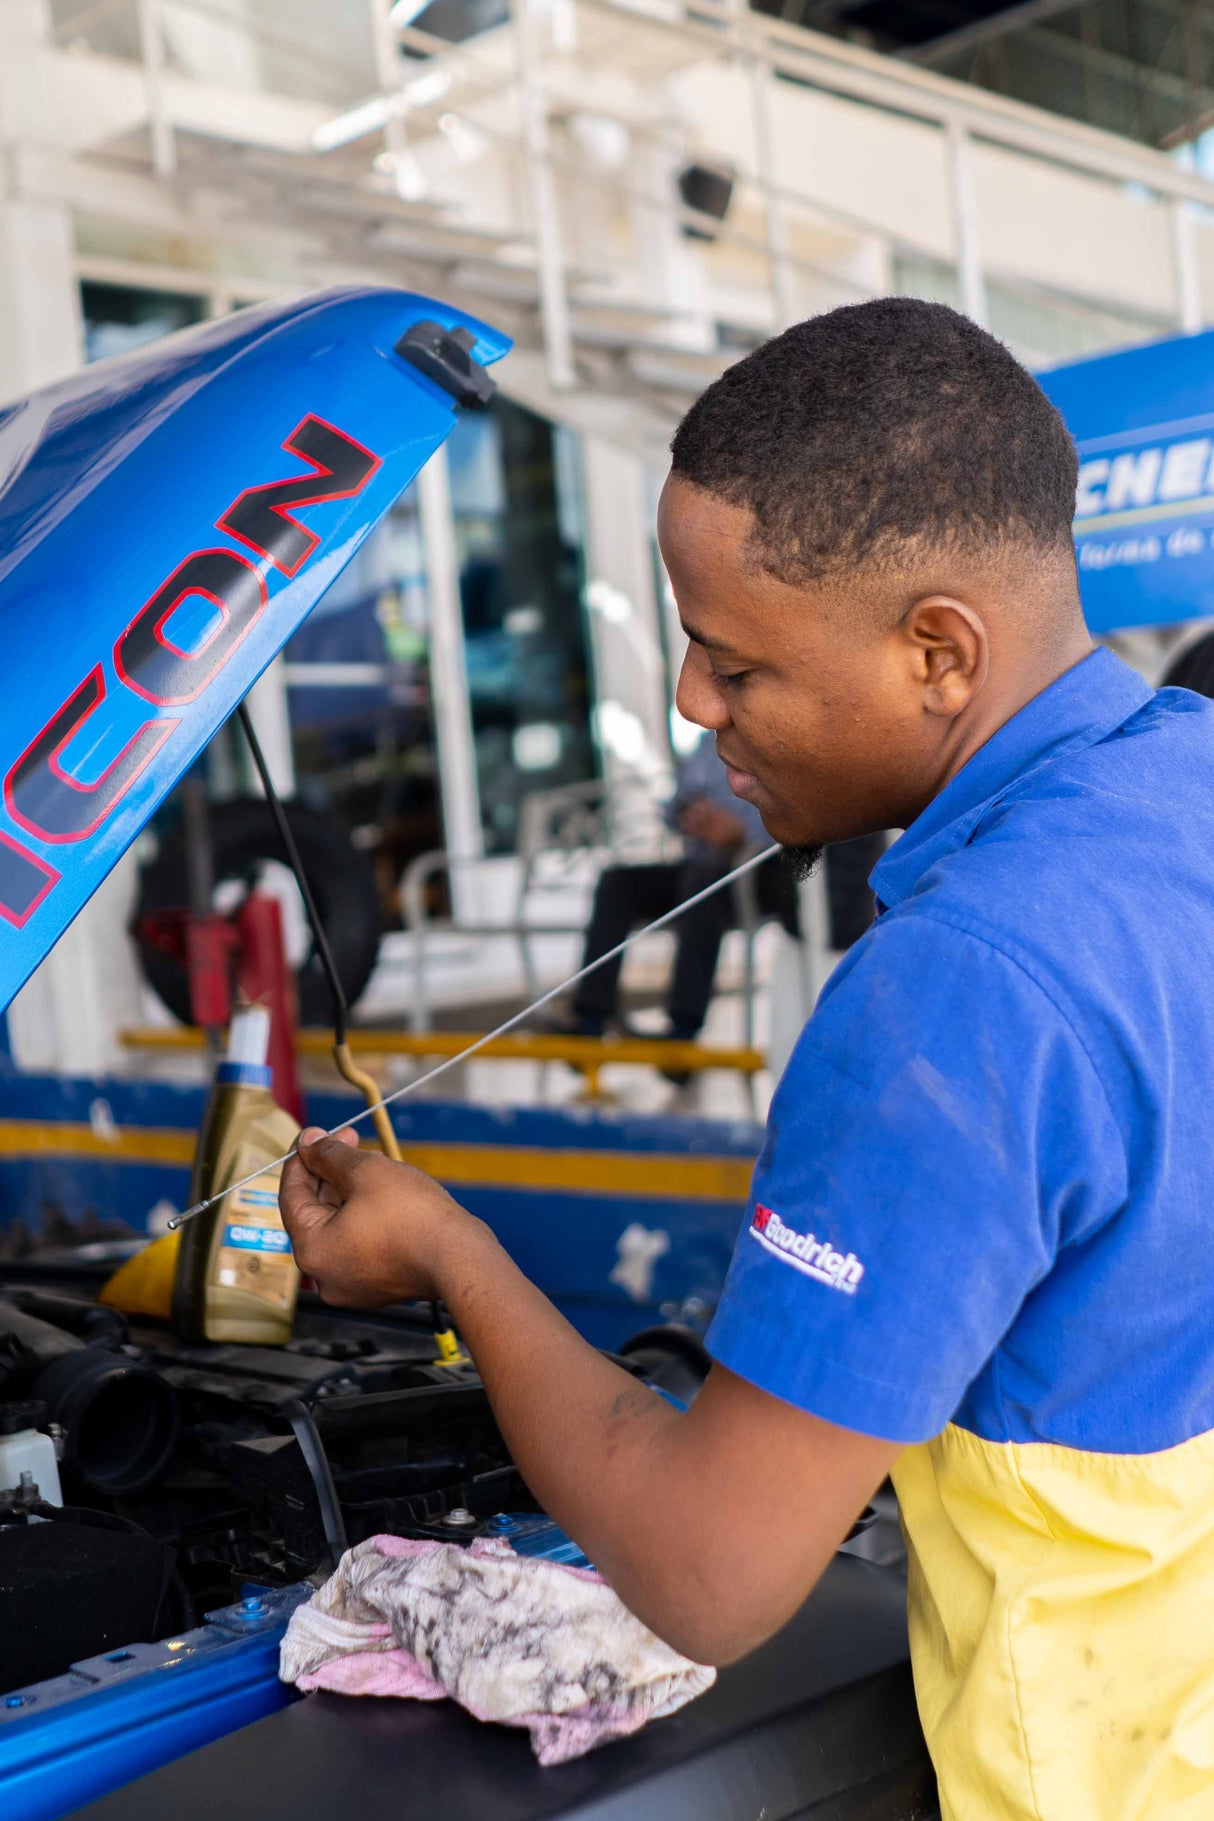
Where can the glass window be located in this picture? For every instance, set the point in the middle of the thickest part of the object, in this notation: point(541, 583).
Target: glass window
point(359, 694)
point(518, 537)
point(120, 317)
point(358, 669)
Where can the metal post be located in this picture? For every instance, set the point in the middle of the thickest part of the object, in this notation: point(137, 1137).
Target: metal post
point(545, 208)
point(449, 682)
point(386, 52)
point(1189, 313)
point(775, 222)
point(270, 714)
point(783, 301)
point(966, 243)
point(151, 44)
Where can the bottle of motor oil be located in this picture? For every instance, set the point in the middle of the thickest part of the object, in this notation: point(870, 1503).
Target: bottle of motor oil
point(235, 1278)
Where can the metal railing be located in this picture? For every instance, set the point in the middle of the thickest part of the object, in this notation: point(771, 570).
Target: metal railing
point(517, 89)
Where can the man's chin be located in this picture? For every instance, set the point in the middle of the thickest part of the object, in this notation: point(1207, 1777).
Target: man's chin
point(801, 858)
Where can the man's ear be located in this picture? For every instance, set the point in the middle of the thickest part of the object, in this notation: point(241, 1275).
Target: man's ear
point(951, 652)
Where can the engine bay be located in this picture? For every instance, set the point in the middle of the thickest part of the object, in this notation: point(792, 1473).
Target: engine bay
point(192, 1470)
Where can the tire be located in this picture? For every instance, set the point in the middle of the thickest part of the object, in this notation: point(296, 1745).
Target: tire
point(1194, 668)
point(243, 839)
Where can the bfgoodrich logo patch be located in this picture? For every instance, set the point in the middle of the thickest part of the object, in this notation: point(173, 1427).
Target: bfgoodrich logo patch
point(838, 1270)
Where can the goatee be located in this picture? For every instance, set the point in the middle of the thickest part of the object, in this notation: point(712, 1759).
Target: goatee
point(801, 861)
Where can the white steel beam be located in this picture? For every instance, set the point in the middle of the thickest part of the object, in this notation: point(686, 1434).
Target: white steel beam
point(1189, 311)
point(462, 836)
point(545, 203)
point(967, 245)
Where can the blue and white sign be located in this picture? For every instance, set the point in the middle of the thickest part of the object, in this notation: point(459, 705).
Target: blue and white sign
point(1144, 523)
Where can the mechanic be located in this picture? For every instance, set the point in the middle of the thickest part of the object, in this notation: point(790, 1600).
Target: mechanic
point(979, 1251)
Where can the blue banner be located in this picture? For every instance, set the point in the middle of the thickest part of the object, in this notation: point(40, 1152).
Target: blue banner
point(1144, 522)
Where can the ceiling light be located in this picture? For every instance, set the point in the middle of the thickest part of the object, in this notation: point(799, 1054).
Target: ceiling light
point(425, 89)
point(406, 11)
point(356, 123)
point(373, 115)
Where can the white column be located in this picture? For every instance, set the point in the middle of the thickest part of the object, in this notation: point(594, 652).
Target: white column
point(452, 711)
point(629, 673)
point(269, 713)
point(41, 332)
point(964, 201)
point(780, 269)
point(670, 266)
point(545, 203)
point(1189, 313)
point(160, 125)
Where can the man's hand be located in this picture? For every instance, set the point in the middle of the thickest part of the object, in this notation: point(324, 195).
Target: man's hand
point(368, 1230)
point(705, 820)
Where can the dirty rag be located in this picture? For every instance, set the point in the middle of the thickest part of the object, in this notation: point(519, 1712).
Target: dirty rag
point(512, 1638)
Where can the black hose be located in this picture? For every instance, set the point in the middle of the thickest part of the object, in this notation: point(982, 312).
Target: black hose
point(340, 1007)
point(316, 1461)
point(93, 1323)
point(119, 1416)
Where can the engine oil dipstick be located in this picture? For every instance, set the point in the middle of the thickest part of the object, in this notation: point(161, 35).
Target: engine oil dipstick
point(509, 1024)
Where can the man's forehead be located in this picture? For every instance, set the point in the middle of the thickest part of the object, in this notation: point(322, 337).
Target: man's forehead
point(690, 516)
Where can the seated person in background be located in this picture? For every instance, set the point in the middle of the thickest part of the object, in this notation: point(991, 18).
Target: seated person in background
point(719, 829)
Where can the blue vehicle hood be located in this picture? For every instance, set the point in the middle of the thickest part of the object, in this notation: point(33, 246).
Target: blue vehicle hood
point(167, 519)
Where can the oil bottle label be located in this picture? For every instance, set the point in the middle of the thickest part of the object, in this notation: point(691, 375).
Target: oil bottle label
point(256, 1239)
point(254, 1251)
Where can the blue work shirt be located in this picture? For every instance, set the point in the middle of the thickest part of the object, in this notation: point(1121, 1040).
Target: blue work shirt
point(983, 1223)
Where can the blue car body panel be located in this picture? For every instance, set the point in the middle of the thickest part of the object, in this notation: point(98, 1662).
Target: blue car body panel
point(137, 605)
point(113, 1718)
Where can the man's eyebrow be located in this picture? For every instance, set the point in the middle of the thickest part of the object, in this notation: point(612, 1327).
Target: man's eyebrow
point(701, 638)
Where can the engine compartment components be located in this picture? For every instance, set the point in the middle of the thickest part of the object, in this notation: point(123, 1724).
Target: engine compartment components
point(118, 1418)
point(239, 1464)
point(28, 1466)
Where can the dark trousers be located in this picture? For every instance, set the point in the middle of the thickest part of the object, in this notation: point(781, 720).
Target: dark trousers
point(630, 895)
point(627, 896)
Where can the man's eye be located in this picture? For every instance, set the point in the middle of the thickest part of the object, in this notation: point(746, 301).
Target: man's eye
point(726, 677)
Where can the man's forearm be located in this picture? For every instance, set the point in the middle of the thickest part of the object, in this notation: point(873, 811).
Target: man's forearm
point(587, 1438)
point(663, 1502)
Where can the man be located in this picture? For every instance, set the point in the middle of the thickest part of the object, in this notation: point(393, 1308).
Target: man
point(980, 1250)
point(717, 828)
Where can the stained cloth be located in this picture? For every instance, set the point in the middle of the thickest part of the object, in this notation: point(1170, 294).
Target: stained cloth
point(512, 1638)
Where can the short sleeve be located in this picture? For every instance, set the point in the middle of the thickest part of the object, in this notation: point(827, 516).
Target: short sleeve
point(939, 1134)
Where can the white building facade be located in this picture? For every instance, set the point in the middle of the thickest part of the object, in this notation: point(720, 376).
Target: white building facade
point(637, 191)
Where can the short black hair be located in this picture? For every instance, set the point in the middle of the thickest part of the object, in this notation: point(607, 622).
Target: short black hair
point(879, 425)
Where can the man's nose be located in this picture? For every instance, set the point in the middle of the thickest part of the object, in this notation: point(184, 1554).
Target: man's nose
point(697, 698)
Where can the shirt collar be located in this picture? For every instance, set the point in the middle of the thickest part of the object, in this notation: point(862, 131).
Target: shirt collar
point(1081, 707)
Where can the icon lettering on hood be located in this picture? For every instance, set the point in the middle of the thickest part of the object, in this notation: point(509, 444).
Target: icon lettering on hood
point(45, 799)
